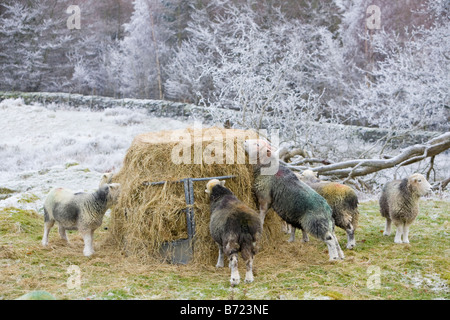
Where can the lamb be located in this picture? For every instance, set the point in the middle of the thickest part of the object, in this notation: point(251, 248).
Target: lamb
point(78, 211)
point(341, 198)
point(399, 202)
point(106, 178)
point(235, 227)
point(294, 201)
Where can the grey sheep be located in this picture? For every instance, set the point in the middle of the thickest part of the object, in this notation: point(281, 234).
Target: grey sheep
point(78, 211)
point(343, 202)
point(399, 203)
point(294, 201)
point(235, 227)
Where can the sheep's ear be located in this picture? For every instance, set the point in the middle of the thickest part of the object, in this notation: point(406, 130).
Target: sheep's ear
point(114, 186)
point(222, 183)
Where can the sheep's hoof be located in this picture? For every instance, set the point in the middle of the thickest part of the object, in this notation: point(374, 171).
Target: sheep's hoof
point(234, 282)
point(88, 253)
point(235, 279)
point(335, 259)
point(249, 279)
point(351, 246)
point(386, 233)
point(219, 265)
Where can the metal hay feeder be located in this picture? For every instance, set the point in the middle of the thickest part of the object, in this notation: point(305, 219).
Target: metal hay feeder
point(181, 251)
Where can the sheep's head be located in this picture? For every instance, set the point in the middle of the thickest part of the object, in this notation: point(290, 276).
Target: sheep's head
point(212, 183)
point(258, 149)
point(113, 192)
point(309, 175)
point(106, 178)
point(419, 184)
point(263, 154)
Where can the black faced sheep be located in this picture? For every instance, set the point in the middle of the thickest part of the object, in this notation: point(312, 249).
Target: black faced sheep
point(78, 211)
point(235, 227)
point(294, 201)
point(342, 200)
point(399, 202)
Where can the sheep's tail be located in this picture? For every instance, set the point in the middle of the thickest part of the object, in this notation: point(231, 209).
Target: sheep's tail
point(46, 215)
point(244, 240)
point(248, 244)
point(351, 200)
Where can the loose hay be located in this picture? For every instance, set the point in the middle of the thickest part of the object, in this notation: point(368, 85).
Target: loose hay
point(147, 216)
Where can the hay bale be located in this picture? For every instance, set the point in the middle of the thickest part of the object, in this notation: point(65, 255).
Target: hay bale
point(147, 216)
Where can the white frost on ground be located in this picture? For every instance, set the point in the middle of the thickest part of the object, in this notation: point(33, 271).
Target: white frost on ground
point(430, 281)
point(48, 146)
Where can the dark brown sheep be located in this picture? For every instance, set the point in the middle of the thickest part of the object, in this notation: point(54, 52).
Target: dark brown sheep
point(235, 227)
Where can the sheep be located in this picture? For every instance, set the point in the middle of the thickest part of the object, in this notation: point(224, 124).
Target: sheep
point(78, 211)
point(235, 227)
point(399, 202)
point(342, 200)
point(106, 178)
point(294, 201)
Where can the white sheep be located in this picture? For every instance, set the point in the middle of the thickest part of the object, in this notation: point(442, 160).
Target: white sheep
point(399, 202)
point(106, 178)
point(78, 211)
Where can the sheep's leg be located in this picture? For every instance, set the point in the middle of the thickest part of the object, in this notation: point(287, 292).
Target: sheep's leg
point(47, 226)
point(305, 237)
point(220, 263)
point(62, 232)
point(292, 238)
point(399, 233)
point(338, 247)
point(351, 243)
point(235, 277)
point(263, 208)
point(88, 236)
point(286, 227)
point(387, 229)
point(406, 233)
point(333, 247)
point(249, 270)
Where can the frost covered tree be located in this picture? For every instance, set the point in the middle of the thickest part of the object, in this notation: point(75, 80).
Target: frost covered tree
point(403, 73)
point(141, 54)
point(96, 43)
point(34, 39)
point(274, 74)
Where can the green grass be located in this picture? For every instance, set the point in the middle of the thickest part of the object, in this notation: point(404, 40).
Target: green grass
point(376, 269)
point(5, 193)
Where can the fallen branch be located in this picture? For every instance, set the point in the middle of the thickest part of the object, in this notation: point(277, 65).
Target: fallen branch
point(360, 167)
point(441, 185)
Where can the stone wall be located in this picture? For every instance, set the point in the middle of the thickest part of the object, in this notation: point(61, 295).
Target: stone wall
point(177, 110)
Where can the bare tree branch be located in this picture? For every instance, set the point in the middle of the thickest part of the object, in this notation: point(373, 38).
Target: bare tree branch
point(360, 167)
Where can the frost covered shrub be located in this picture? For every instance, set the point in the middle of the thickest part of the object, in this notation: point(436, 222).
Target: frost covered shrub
point(275, 74)
point(410, 85)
